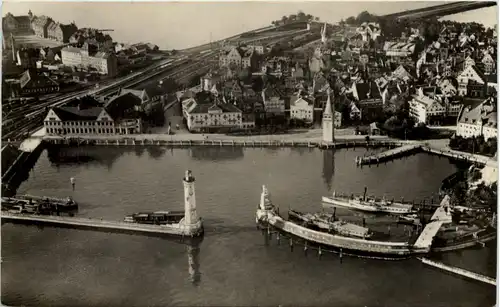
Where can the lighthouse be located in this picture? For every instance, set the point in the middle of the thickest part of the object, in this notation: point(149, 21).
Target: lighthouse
point(191, 220)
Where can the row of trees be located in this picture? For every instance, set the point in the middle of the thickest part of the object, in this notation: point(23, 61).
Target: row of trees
point(476, 145)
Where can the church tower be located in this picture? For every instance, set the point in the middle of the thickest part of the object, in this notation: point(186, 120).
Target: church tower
point(13, 47)
point(328, 121)
point(190, 216)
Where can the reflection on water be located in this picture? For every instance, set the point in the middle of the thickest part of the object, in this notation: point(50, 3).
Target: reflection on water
point(328, 167)
point(193, 252)
point(216, 153)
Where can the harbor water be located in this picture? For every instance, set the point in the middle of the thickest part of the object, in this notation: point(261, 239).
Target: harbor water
point(234, 265)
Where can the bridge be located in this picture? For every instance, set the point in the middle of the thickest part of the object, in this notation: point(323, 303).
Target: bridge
point(440, 10)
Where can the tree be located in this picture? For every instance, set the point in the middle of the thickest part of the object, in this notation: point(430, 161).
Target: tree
point(284, 19)
point(351, 20)
point(301, 16)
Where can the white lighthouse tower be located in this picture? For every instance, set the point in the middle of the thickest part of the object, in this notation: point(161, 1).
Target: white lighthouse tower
point(328, 121)
point(191, 221)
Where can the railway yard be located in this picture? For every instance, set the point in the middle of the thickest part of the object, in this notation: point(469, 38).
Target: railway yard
point(23, 116)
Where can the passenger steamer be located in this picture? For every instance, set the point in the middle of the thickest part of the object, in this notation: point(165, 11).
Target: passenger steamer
point(268, 216)
point(367, 204)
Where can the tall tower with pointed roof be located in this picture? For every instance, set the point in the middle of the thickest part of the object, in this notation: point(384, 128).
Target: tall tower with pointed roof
point(328, 121)
point(323, 34)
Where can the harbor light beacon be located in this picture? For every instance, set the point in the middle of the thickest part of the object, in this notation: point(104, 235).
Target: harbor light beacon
point(190, 216)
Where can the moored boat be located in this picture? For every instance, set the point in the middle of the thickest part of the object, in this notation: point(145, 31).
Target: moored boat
point(38, 205)
point(327, 223)
point(266, 216)
point(156, 218)
point(368, 204)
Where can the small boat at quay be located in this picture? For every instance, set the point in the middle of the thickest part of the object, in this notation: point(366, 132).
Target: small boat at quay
point(29, 204)
point(368, 204)
point(267, 216)
point(156, 218)
point(327, 223)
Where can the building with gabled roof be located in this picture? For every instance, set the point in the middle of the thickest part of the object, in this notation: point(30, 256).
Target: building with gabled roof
point(478, 118)
point(88, 56)
point(472, 82)
point(40, 24)
point(87, 116)
point(14, 24)
point(240, 57)
point(32, 83)
point(210, 114)
point(302, 108)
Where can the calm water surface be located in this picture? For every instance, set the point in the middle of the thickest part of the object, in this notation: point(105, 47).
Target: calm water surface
point(233, 265)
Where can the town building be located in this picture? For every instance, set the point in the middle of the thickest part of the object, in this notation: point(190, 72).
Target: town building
point(398, 50)
point(33, 84)
point(489, 64)
point(273, 101)
point(472, 82)
point(84, 116)
point(60, 32)
point(26, 58)
point(302, 108)
point(51, 55)
point(104, 63)
point(479, 119)
point(40, 25)
point(431, 108)
point(239, 57)
point(17, 24)
point(259, 49)
point(212, 116)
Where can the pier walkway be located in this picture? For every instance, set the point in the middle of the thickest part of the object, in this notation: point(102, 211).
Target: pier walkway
point(388, 154)
point(460, 271)
point(98, 224)
point(437, 147)
point(441, 216)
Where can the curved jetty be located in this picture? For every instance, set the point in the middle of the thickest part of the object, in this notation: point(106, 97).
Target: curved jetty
point(268, 216)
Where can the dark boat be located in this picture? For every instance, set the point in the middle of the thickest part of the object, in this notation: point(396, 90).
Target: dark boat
point(28, 204)
point(156, 218)
point(327, 223)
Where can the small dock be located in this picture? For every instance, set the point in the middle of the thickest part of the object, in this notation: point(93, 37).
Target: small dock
point(389, 154)
point(460, 271)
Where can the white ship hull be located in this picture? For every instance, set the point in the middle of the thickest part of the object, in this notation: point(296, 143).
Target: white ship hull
point(362, 206)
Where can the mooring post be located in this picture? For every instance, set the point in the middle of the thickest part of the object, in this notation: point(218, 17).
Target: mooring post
point(340, 255)
point(278, 237)
point(291, 245)
point(305, 248)
point(319, 252)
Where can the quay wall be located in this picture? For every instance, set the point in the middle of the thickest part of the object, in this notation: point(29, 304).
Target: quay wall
point(235, 142)
point(19, 170)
